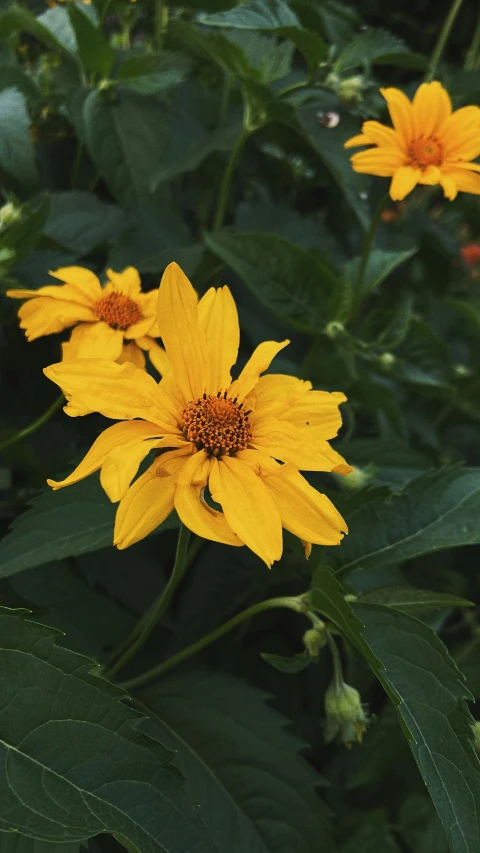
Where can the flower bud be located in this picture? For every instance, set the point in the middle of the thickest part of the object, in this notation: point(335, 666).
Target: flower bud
point(476, 735)
point(357, 479)
point(351, 89)
point(314, 639)
point(9, 214)
point(346, 718)
point(461, 370)
point(334, 329)
point(387, 360)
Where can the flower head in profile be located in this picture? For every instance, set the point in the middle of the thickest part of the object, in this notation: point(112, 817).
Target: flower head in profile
point(345, 715)
point(230, 451)
point(116, 322)
point(428, 144)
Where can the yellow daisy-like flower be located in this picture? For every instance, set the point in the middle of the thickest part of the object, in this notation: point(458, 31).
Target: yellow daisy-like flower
point(229, 436)
point(428, 144)
point(116, 322)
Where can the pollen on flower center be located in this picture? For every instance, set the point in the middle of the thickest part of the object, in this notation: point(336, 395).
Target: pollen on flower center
point(218, 425)
point(117, 310)
point(426, 151)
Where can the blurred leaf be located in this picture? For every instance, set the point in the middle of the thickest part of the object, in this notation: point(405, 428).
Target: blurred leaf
point(61, 524)
point(373, 836)
point(369, 47)
point(61, 726)
point(380, 265)
point(150, 73)
point(22, 236)
point(79, 221)
point(12, 77)
point(17, 155)
point(57, 22)
point(13, 842)
point(424, 357)
point(93, 48)
point(294, 284)
point(125, 139)
point(412, 600)
point(437, 510)
point(430, 695)
point(17, 19)
point(291, 665)
point(312, 46)
point(254, 15)
point(255, 792)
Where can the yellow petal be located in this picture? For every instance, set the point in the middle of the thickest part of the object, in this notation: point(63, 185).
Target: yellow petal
point(431, 107)
point(300, 446)
point(403, 182)
point(95, 340)
point(304, 512)
point(293, 400)
point(46, 316)
point(196, 470)
point(248, 507)
point(147, 503)
point(81, 280)
point(377, 161)
point(380, 134)
point(465, 181)
point(114, 437)
point(218, 317)
point(117, 391)
point(179, 328)
point(258, 362)
point(122, 463)
point(449, 186)
point(202, 519)
point(140, 328)
point(460, 134)
point(132, 353)
point(400, 110)
point(126, 282)
point(156, 354)
point(356, 141)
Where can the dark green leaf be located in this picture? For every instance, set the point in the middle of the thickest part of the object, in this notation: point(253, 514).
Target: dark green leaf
point(76, 760)
point(93, 48)
point(12, 77)
point(254, 15)
point(61, 524)
point(17, 155)
point(22, 236)
point(368, 47)
point(255, 792)
point(312, 47)
point(149, 73)
point(126, 139)
point(430, 695)
point(17, 19)
point(79, 221)
point(294, 664)
point(412, 600)
point(57, 22)
point(380, 265)
point(13, 842)
point(294, 284)
point(437, 510)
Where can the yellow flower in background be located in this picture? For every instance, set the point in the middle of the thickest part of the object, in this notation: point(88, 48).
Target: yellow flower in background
point(428, 144)
point(116, 322)
point(227, 437)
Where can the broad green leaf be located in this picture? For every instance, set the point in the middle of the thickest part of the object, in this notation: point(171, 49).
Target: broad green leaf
point(312, 46)
point(368, 47)
point(14, 842)
point(76, 760)
point(254, 15)
point(328, 144)
point(294, 284)
point(22, 236)
point(12, 77)
point(430, 696)
point(411, 599)
point(214, 47)
point(57, 22)
point(435, 511)
point(150, 73)
point(93, 48)
point(125, 138)
point(255, 792)
point(424, 357)
point(79, 221)
point(17, 155)
point(373, 836)
point(292, 665)
point(18, 19)
point(61, 524)
point(380, 265)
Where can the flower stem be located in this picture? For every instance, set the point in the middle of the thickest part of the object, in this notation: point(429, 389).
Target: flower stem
point(142, 631)
point(43, 419)
point(368, 244)
point(472, 59)
point(160, 22)
point(227, 179)
point(290, 602)
point(442, 40)
point(337, 662)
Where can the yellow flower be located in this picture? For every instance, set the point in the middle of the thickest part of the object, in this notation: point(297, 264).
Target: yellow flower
point(115, 322)
point(220, 434)
point(428, 144)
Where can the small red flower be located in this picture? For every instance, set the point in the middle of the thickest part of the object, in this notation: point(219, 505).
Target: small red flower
point(471, 254)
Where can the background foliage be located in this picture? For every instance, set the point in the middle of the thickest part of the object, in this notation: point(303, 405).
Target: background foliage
point(211, 133)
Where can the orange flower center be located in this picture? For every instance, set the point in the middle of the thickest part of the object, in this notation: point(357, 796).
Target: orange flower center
point(117, 310)
point(218, 425)
point(426, 151)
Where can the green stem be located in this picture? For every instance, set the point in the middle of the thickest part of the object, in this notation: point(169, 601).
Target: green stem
point(290, 602)
point(153, 615)
point(337, 662)
point(43, 419)
point(442, 40)
point(227, 179)
point(368, 244)
point(160, 23)
point(473, 54)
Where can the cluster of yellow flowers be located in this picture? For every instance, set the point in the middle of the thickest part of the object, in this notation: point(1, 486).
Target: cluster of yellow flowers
point(228, 453)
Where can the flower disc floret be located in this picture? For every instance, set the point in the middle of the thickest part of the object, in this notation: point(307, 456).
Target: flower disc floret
point(218, 425)
point(426, 152)
point(118, 311)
